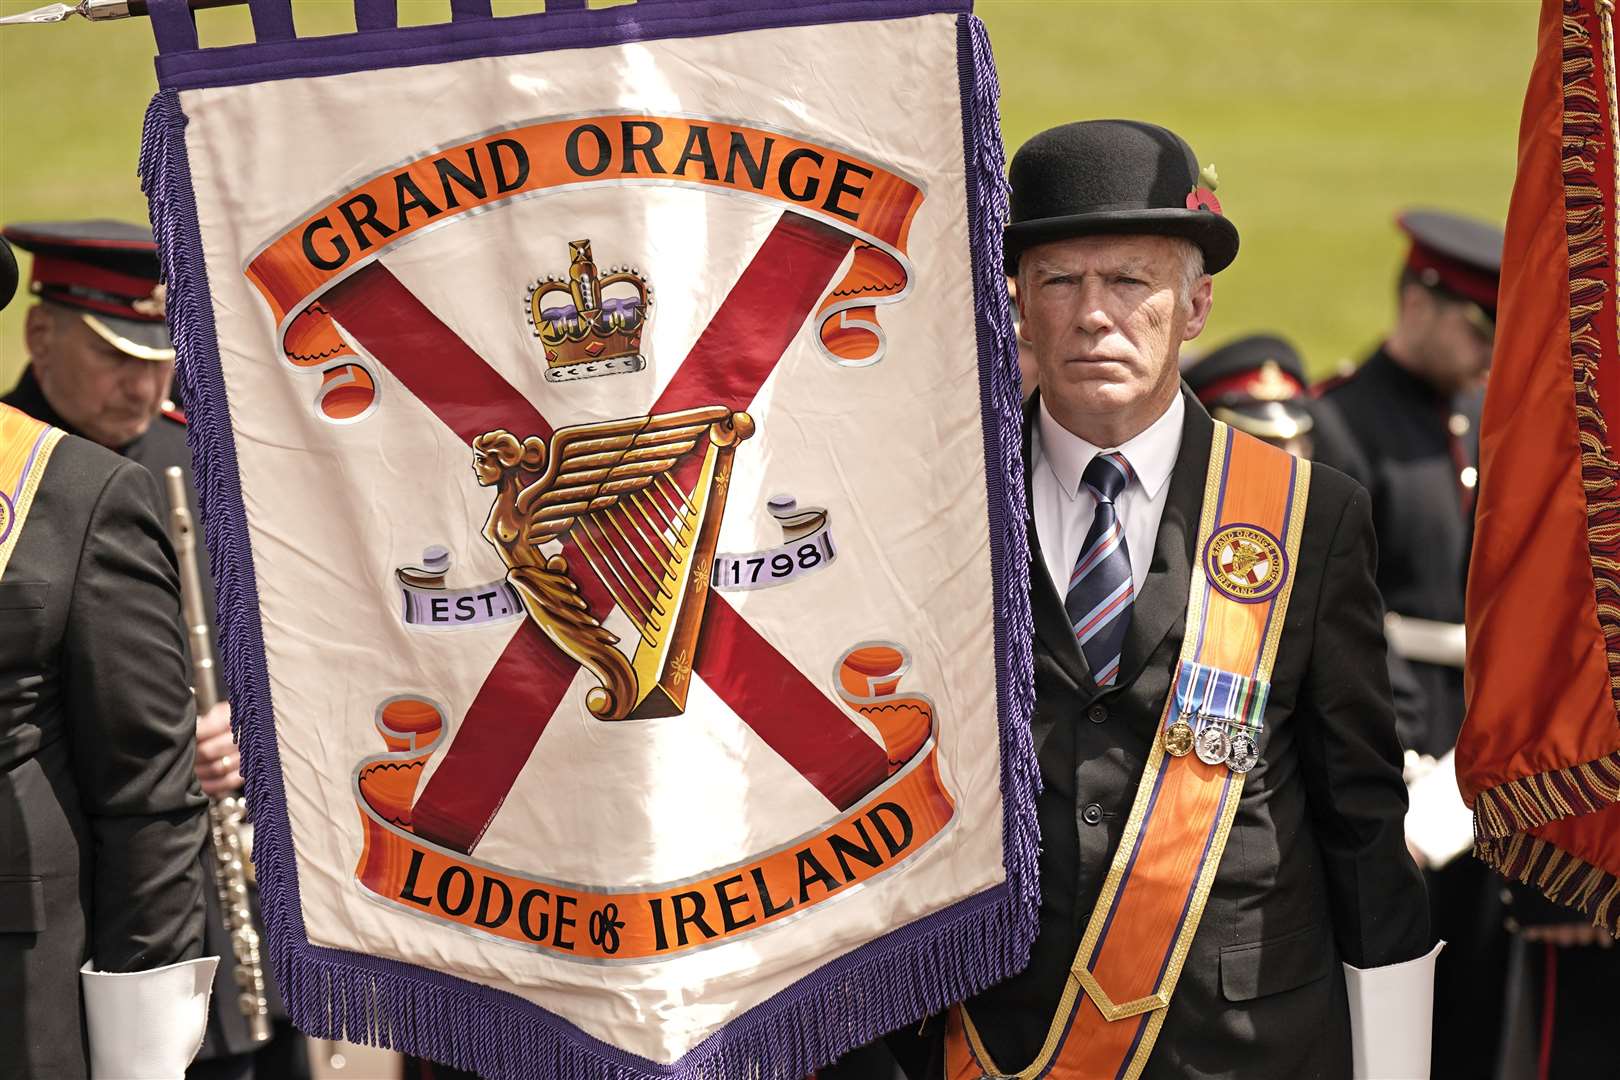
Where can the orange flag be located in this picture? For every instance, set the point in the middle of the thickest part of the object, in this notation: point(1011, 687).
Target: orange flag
point(1539, 756)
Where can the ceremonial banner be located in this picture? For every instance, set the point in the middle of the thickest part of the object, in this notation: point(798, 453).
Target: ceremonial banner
point(607, 427)
point(1539, 756)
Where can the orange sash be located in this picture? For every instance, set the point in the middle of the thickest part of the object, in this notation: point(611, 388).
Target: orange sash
point(25, 449)
point(1128, 962)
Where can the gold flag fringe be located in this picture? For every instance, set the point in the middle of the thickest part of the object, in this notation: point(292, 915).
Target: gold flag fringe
point(1589, 229)
point(1531, 801)
point(1561, 877)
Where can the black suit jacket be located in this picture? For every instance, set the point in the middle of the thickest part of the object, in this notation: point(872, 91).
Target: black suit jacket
point(162, 445)
point(1316, 869)
point(101, 817)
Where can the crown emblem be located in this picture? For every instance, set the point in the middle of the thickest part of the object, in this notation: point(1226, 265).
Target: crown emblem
point(151, 305)
point(590, 323)
point(1272, 385)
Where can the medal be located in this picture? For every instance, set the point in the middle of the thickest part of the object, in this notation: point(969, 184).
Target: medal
point(1216, 714)
point(1242, 755)
point(1178, 737)
point(1213, 744)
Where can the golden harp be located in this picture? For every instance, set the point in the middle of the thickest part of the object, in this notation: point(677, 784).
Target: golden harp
point(611, 488)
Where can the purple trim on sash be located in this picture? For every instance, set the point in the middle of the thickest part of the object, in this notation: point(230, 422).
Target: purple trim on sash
point(28, 467)
point(1282, 546)
point(909, 973)
point(1141, 1030)
point(1130, 864)
point(1209, 841)
point(1226, 464)
point(468, 37)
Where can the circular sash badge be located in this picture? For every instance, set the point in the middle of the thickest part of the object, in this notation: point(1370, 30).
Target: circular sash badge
point(1245, 562)
point(7, 516)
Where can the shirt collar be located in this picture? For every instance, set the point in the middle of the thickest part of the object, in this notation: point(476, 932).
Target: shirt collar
point(1151, 453)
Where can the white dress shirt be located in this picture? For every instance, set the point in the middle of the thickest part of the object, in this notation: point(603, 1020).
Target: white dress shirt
point(1064, 507)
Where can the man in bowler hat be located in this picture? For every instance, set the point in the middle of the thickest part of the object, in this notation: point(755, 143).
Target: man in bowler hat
point(1316, 914)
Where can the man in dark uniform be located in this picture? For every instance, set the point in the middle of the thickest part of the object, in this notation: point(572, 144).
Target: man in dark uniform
point(1114, 238)
point(100, 366)
point(101, 819)
point(1413, 408)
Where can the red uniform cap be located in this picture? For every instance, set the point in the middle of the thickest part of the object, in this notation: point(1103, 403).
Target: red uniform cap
point(107, 271)
point(1461, 255)
point(1256, 384)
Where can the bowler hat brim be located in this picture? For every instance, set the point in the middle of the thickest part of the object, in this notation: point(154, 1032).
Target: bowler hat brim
point(1215, 236)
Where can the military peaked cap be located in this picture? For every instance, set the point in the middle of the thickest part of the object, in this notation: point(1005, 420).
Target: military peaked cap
point(107, 271)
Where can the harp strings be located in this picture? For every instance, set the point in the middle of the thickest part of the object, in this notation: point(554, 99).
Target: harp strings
point(610, 567)
point(633, 545)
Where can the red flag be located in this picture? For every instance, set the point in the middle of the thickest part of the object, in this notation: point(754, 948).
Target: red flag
point(1539, 756)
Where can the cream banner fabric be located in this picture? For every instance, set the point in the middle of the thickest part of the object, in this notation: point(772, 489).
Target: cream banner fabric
point(504, 361)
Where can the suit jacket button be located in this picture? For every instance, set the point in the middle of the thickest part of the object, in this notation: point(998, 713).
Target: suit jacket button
point(1097, 713)
point(1092, 815)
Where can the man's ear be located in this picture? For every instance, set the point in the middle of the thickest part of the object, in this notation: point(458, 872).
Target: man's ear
point(1203, 300)
point(1017, 293)
point(39, 331)
point(1416, 304)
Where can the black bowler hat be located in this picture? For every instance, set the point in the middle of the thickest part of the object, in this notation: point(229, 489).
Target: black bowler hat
point(1256, 384)
point(107, 272)
point(8, 273)
point(1114, 177)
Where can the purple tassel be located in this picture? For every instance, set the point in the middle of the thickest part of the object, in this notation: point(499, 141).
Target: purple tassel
point(1003, 406)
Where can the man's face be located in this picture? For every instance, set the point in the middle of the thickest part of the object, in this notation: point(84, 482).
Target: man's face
point(1452, 340)
point(1105, 317)
point(109, 396)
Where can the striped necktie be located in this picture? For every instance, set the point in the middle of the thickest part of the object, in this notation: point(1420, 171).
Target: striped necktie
point(1100, 590)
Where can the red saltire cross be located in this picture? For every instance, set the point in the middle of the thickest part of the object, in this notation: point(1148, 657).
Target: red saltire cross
point(727, 365)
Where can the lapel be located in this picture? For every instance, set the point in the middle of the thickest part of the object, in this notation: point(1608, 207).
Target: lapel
point(1051, 621)
point(1163, 600)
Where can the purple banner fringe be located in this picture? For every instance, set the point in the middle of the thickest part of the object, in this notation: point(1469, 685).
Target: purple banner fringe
point(910, 973)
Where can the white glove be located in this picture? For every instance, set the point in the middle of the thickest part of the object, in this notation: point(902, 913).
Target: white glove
point(146, 1025)
point(1438, 822)
point(1391, 1008)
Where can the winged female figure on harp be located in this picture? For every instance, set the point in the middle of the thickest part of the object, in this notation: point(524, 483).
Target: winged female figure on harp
point(608, 487)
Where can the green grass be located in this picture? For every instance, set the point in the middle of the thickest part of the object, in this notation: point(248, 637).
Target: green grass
point(1322, 118)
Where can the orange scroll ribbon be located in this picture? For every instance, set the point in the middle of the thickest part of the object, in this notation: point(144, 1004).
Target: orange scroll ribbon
point(850, 193)
point(1130, 957)
point(632, 923)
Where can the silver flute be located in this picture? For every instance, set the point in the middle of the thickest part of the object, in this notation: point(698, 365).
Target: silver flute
point(226, 813)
